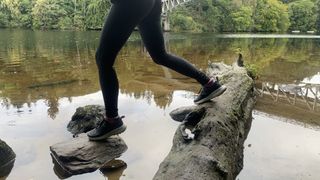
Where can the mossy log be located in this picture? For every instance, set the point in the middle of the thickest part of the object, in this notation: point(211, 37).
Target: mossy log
point(220, 128)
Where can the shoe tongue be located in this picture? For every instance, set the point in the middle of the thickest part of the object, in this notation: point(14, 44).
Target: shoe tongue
point(210, 83)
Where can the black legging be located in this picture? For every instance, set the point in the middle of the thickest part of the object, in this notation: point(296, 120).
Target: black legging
point(124, 16)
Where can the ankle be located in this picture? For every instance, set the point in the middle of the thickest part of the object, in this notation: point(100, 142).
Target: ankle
point(210, 82)
point(112, 119)
point(115, 119)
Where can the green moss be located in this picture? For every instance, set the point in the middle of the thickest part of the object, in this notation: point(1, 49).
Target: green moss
point(253, 70)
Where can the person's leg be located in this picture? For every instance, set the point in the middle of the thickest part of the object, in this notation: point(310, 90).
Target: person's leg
point(123, 17)
point(151, 33)
point(152, 36)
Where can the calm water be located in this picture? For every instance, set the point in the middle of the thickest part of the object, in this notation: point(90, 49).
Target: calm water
point(45, 76)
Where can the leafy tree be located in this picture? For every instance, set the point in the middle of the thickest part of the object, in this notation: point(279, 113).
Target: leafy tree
point(25, 18)
point(302, 15)
point(270, 16)
point(318, 15)
point(9, 11)
point(184, 23)
point(96, 12)
point(242, 19)
point(46, 14)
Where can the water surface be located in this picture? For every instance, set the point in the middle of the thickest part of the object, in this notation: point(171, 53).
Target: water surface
point(45, 76)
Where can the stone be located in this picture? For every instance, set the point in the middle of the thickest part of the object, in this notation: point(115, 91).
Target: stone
point(79, 155)
point(86, 118)
point(216, 150)
point(7, 159)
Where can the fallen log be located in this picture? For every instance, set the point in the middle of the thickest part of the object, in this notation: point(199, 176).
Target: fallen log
point(219, 128)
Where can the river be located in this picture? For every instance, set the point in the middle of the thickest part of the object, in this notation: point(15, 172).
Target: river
point(46, 75)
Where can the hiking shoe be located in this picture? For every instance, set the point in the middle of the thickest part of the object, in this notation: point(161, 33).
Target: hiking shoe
point(209, 92)
point(106, 129)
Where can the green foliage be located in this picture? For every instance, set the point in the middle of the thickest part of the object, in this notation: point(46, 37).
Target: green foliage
point(197, 15)
point(96, 12)
point(270, 16)
point(318, 15)
point(302, 15)
point(46, 14)
point(4, 19)
point(253, 70)
point(242, 19)
point(184, 23)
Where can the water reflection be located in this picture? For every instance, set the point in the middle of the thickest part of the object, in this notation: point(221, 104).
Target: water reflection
point(307, 93)
point(53, 65)
point(114, 169)
point(56, 72)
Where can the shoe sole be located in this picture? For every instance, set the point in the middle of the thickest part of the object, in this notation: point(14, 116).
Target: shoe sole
point(116, 131)
point(214, 94)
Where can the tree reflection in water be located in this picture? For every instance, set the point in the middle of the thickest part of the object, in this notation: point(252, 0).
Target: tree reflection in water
point(52, 65)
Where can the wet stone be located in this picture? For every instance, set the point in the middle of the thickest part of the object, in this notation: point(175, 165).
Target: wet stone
point(7, 159)
point(79, 155)
point(86, 118)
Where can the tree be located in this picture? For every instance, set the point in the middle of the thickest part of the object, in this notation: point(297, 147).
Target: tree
point(95, 13)
point(302, 15)
point(25, 18)
point(270, 16)
point(318, 15)
point(9, 11)
point(242, 19)
point(46, 14)
point(184, 23)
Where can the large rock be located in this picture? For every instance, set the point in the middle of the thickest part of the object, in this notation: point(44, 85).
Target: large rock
point(79, 155)
point(7, 159)
point(216, 149)
point(86, 118)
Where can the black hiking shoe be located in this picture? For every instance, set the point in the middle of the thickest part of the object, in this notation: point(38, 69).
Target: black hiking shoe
point(209, 92)
point(106, 129)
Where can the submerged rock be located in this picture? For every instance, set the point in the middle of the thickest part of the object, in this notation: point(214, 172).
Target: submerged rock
point(86, 118)
point(7, 159)
point(79, 155)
